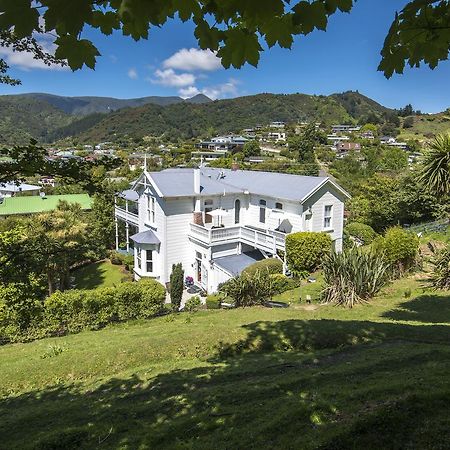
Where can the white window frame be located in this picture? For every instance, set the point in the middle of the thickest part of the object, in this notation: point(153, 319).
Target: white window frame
point(139, 258)
point(152, 262)
point(262, 211)
point(328, 217)
point(151, 209)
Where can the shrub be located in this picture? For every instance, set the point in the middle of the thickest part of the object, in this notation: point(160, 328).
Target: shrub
point(441, 274)
point(193, 304)
point(305, 251)
point(399, 247)
point(270, 265)
point(281, 283)
point(176, 285)
point(248, 290)
point(213, 301)
point(353, 277)
point(361, 231)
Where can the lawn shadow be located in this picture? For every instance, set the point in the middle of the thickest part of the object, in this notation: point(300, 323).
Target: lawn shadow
point(289, 384)
point(90, 276)
point(425, 309)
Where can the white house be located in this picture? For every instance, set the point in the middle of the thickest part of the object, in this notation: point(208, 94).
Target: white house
point(216, 222)
point(13, 189)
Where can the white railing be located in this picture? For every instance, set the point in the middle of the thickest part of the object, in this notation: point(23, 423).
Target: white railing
point(127, 216)
point(269, 240)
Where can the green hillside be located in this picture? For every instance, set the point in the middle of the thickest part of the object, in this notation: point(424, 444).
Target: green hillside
point(426, 126)
point(23, 118)
point(188, 120)
point(358, 105)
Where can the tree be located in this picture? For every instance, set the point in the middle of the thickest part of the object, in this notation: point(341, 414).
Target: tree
point(251, 148)
point(237, 31)
point(176, 286)
point(435, 174)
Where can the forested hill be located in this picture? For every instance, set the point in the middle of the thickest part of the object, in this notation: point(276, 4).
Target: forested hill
point(49, 118)
point(189, 120)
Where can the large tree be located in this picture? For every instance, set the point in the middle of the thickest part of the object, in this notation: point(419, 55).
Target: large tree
point(235, 29)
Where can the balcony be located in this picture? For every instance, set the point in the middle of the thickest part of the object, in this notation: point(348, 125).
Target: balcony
point(266, 240)
point(127, 216)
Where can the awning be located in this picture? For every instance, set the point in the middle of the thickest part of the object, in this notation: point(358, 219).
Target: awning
point(129, 194)
point(145, 237)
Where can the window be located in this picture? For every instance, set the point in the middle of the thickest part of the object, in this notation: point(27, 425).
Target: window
point(237, 211)
point(262, 211)
point(139, 258)
point(208, 208)
point(149, 261)
point(327, 217)
point(151, 209)
point(279, 206)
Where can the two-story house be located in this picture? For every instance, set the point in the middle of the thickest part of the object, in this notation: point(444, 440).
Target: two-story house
point(216, 222)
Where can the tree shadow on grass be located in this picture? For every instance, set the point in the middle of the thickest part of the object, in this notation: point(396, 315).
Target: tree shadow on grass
point(289, 384)
point(426, 309)
point(90, 276)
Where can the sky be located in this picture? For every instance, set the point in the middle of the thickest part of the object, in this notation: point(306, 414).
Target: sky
point(345, 57)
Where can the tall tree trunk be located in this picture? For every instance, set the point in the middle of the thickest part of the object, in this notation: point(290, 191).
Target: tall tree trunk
point(51, 282)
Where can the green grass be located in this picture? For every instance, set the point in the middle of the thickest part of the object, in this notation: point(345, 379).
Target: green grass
point(374, 377)
point(299, 294)
point(99, 274)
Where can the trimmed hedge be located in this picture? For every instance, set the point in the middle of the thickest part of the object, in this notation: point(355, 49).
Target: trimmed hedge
point(281, 283)
point(75, 310)
point(361, 231)
point(271, 265)
point(213, 301)
point(306, 250)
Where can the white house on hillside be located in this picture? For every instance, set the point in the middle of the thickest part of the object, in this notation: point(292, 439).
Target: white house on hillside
point(216, 222)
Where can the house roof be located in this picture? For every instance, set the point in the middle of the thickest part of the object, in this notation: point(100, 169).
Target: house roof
point(145, 237)
point(235, 264)
point(36, 204)
point(129, 194)
point(179, 182)
point(22, 187)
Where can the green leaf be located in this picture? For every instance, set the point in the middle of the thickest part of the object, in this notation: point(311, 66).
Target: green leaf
point(107, 22)
point(279, 31)
point(240, 47)
point(67, 17)
point(208, 38)
point(20, 15)
point(186, 8)
point(77, 52)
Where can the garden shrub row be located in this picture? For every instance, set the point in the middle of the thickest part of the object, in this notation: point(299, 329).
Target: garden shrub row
point(75, 310)
point(269, 265)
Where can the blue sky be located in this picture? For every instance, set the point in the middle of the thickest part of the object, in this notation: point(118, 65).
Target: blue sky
point(345, 57)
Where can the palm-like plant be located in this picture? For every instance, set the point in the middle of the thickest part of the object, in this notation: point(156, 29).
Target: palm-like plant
point(441, 276)
point(435, 174)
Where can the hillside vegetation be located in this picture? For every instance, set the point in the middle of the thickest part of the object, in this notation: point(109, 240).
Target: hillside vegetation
point(372, 377)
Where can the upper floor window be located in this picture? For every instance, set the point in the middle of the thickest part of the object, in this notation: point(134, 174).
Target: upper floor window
point(327, 216)
point(262, 211)
point(139, 258)
point(149, 261)
point(237, 211)
point(278, 205)
point(151, 209)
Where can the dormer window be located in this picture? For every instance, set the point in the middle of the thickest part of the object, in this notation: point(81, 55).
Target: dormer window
point(279, 206)
point(262, 211)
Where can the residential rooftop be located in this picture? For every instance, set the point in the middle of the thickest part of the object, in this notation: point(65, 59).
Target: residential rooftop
point(36, 204)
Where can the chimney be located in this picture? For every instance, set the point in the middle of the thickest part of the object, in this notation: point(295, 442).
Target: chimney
point(234, 166)
point(197, 181)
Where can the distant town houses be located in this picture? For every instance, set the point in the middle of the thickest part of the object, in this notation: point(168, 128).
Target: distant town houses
point(392, 142)
point(342, 147)
point(228, 143)
point(345, 128)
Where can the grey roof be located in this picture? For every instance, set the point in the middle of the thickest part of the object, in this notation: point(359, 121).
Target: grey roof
point(235, 264)
point(23, 187)
point(129, 194)
point(145, 237)
point(179, 182)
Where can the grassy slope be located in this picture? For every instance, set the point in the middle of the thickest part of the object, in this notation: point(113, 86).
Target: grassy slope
point(432, 124)
point(373, 377)
point(100, 274)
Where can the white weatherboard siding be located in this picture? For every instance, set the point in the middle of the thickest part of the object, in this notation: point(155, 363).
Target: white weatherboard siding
point(327, 196)
point(179, 215)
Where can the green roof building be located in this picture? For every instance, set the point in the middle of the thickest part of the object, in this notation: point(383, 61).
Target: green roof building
point(10, 206)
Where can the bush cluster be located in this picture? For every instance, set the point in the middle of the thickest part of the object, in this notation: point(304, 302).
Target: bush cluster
point(365, 233)
point(75, 310)
point(305, 251)
point(119, 259)
point(213, 301)
point(281, 283)
point(269, 265)
point(441, 274)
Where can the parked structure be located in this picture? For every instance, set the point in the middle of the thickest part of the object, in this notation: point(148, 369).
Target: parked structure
point(217, 222)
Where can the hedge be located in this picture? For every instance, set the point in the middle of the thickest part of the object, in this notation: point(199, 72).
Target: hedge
point(271, 265)
point(361, 231)
point(75, 310)
point(306, 250)
point(281, 283)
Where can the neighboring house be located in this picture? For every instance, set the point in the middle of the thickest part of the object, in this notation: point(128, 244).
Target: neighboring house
point(217, 222)
point(13, 189)
point(344, 128)
point(392, 142)
point(226, 143)
point(277, 137)
point(27, 205)
point(343, 147)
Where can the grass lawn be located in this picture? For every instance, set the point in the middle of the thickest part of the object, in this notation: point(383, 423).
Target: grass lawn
point(99, 274)
point(374, 377)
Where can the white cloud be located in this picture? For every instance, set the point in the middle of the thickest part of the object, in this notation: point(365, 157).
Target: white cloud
point(228, 89)
point(193, 59)
point(25, 60)
point(188, 92)
point(132, 73)
point(169, 77)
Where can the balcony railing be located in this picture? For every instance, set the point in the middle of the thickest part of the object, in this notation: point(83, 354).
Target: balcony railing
point(269, 240)
point(127, 216)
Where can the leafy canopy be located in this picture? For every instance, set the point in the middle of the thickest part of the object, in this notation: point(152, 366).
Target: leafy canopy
point(236, 29)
